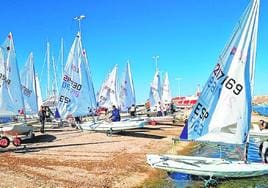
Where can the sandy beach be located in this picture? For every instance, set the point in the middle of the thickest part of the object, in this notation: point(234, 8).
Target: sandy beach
point(66, 157)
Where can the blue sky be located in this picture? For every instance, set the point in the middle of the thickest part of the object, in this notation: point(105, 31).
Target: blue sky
point(188, 35)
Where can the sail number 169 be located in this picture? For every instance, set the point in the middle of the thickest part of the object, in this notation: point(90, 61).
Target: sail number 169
point(229, 83)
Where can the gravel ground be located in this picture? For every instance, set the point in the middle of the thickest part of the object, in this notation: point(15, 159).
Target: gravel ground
point(66, 157)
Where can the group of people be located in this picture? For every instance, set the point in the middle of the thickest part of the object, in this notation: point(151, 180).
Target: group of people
point(115, 116)
point(162, 109)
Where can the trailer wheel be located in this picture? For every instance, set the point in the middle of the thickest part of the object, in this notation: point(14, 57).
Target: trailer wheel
point(153, 122)
point(211, 183)
point(16, 141)
point(4, 142)
point(109, 132)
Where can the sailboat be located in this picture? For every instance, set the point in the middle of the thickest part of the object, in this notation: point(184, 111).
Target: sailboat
point(166, 93)
point(11, 97)
point(51, 80)
point(155, 91)
point(75, 94)
point(108, 94)
point(76, 91)
point(157, 96)
point(224, 101)
point(28, 85)
point(127, 93)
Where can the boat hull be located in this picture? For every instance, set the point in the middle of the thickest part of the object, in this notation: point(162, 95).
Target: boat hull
point(161, 119)
point(255, 131)
point(263, 133)
point(112, 126)
point(14, 129)
point(203, 166)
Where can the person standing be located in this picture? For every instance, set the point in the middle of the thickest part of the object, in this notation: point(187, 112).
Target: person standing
point(147, 107)
point(172, 108)
point(263, 150)
point(132, 111)
point(42, 118)
point(159, 109)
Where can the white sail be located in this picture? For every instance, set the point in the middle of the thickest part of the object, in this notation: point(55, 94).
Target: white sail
point(74, 98)
point(166, 93)
point(226, 98)
point(90, 82)
point(154, 95)
point(28, 86)
point(11, 100)
point(38, 92)
point(127, 94)
point(108, 92)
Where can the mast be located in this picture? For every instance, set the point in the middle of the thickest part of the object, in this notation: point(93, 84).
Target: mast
point(62, 56)
point(252, 60)
point(48, 72)
point(156, 57)
point(35, 85)
point(55, 83)
point(79, 18)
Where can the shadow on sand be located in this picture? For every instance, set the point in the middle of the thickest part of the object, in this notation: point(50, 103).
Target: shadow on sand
point(40, 139)
point(140, 134)
point(28, 148)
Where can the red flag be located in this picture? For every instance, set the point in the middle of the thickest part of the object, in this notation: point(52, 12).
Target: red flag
point(233, 51)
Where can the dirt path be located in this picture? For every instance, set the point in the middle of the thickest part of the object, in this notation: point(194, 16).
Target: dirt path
point(70, 158)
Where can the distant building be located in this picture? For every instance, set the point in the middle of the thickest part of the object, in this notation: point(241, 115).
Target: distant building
point(186, 102)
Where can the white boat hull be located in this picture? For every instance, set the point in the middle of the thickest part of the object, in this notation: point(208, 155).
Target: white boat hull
point(203, 166)
point(14, 129)
point(161, 119)
point(112, 126)
point(263, 133)
point(255, 131)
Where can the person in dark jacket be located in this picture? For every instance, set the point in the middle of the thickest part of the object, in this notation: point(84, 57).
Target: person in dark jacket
point(115, 114)
point(132, 111)
point(42, 118)
point(172, 108)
